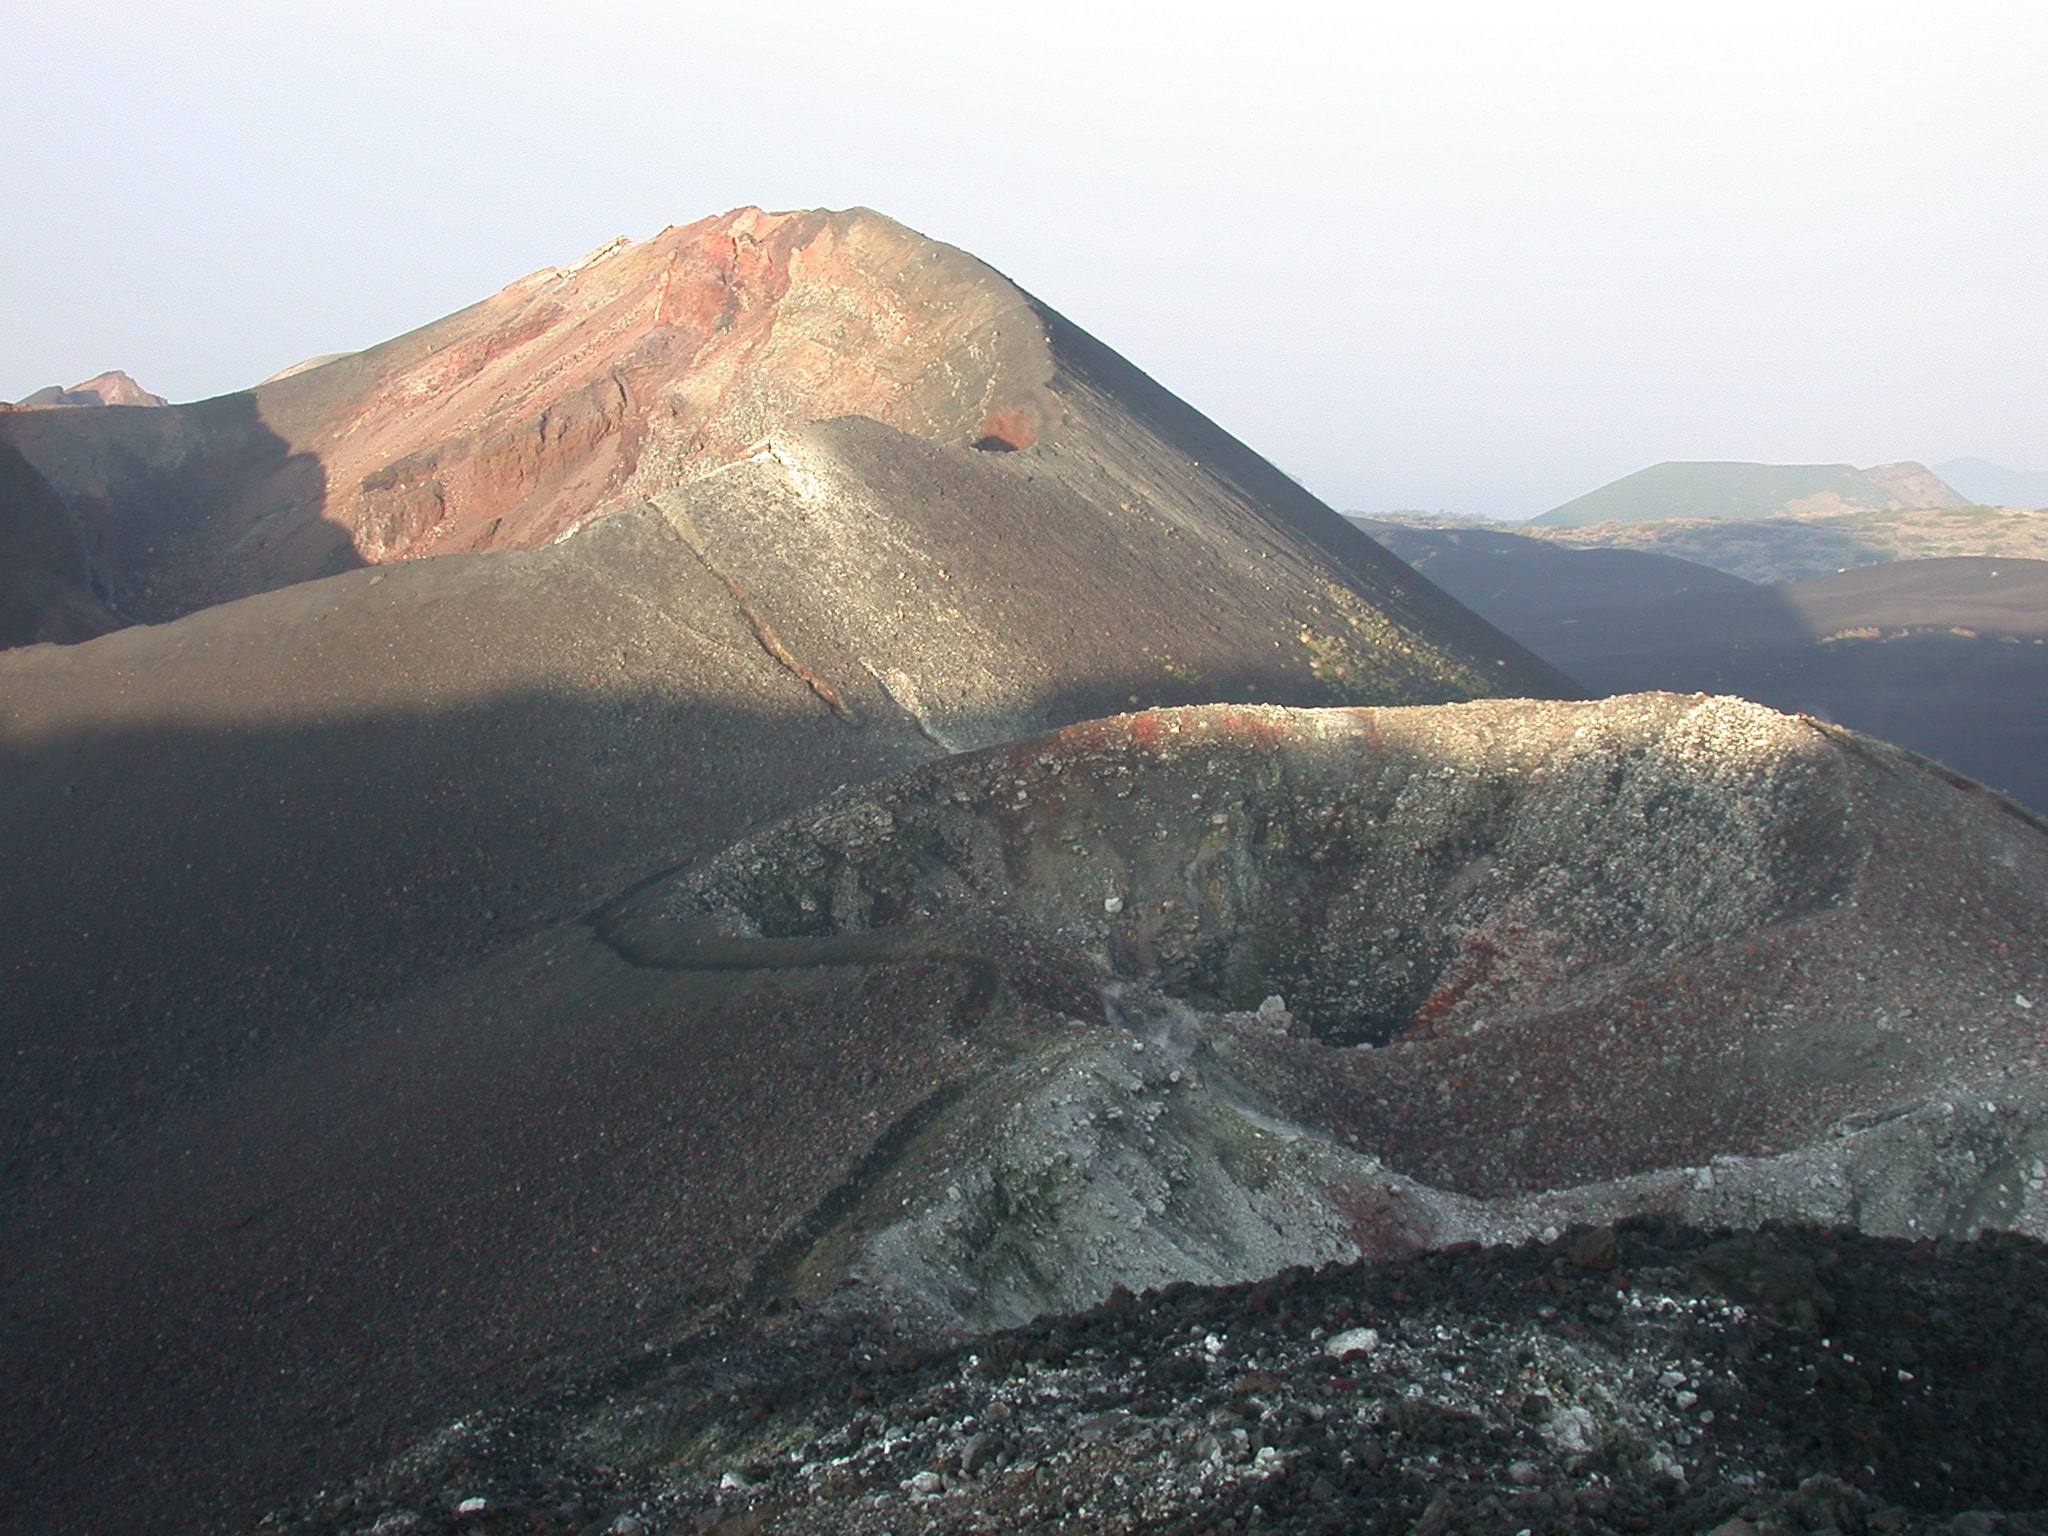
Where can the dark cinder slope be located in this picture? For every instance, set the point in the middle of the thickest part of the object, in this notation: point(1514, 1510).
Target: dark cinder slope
point(1946, 656)
point(1533, 584)
point(224, 829)
point(1989, 596)
point(1270, 1432)
point(220, 831)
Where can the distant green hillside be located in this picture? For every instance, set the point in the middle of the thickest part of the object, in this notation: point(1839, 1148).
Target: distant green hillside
point(1746, 492)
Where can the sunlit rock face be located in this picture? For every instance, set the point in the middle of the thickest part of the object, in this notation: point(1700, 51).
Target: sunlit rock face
point(573, 391)
point(582, 388)
point(1394, 874)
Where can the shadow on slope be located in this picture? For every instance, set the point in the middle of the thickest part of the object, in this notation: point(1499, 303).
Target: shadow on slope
point(184, 902)
point(531, 1172)
point(48, 589)
point(144, 490)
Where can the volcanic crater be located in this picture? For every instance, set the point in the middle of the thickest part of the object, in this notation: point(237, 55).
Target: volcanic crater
point(1454, 963)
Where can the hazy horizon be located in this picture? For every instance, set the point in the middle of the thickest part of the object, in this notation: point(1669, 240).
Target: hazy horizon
point(1480, 261)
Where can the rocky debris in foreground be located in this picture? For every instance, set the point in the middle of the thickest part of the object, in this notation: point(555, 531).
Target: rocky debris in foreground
point(1649, 1378)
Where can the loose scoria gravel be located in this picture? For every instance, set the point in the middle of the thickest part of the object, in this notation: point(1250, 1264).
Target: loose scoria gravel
point(1648, 1379)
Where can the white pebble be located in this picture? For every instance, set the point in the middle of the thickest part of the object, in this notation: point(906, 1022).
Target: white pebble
point(1352, 1341)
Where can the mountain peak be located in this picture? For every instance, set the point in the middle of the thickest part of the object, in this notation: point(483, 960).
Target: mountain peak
point(111, 388)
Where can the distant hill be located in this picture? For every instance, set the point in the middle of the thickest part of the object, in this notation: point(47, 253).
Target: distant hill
point(1789, 548)
point(111, 388)
point(1994, 485)
point(1946, 656)
point(1746, 491)
point(1801, 548)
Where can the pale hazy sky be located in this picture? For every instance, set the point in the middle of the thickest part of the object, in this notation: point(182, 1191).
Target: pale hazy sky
point(1470, 256)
